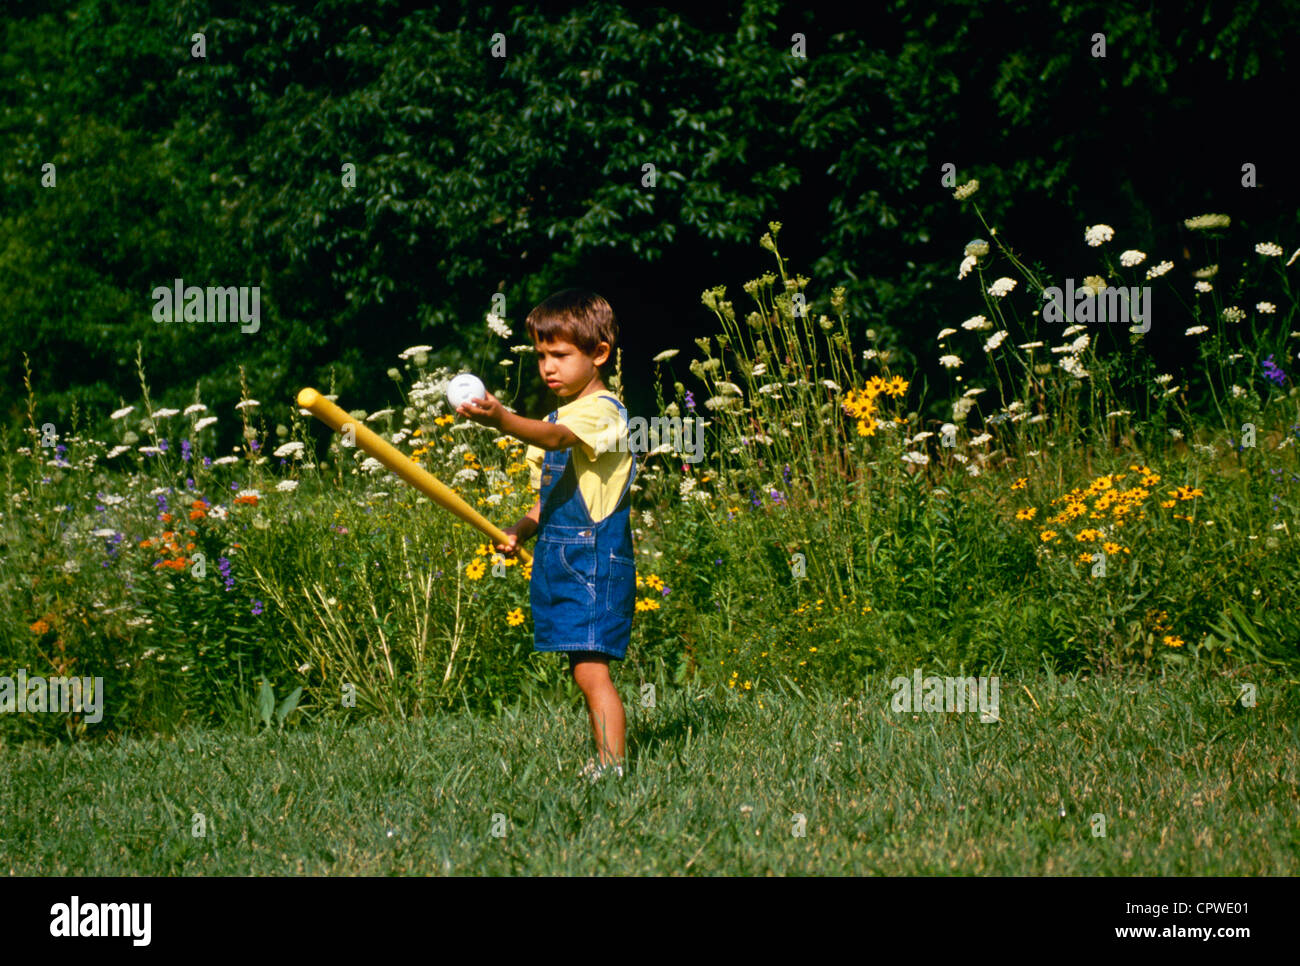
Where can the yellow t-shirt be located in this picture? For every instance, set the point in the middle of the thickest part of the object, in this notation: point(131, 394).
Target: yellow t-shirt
point(601, 459)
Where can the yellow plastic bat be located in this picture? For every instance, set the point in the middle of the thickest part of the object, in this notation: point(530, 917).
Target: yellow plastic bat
point(420, 478)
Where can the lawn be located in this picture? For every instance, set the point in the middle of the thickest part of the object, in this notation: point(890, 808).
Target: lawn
point(1182, 777)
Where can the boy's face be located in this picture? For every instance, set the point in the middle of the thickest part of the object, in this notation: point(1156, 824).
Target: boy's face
point(566, 369)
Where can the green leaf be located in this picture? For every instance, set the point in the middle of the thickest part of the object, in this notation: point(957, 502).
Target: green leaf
point(288, 704)
point(265, 702)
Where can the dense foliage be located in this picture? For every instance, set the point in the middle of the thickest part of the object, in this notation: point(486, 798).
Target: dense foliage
point(477, 174)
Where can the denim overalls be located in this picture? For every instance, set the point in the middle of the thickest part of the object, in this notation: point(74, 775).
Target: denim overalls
point(583, 587)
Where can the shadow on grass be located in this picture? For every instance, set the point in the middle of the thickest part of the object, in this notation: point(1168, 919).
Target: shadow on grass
point(669, 726)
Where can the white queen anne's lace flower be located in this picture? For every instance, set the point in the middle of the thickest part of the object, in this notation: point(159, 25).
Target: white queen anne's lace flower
point(498, 325)
point(1002, 287)
point(1096, 235)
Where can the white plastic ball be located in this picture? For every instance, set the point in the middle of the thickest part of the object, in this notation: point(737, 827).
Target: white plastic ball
point(463, 388)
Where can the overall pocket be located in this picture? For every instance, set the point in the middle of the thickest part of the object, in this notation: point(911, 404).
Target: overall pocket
point(579, 563)
point(620, 592)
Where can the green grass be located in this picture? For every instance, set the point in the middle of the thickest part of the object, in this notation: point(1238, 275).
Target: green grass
point(1189, 780)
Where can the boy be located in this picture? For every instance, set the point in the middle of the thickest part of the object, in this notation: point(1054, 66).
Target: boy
point(583, 587)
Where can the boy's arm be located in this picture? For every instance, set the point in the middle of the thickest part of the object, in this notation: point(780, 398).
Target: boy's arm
point(539, 432)
point(530, 521)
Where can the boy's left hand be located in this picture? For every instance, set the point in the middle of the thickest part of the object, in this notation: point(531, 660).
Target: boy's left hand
point(486, 410)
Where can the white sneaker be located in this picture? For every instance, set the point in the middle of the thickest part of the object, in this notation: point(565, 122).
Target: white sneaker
point(595, 772)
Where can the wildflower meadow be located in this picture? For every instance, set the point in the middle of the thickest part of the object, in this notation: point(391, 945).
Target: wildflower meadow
point(1069, 518)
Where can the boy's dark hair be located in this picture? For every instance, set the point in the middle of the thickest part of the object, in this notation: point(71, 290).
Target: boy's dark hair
point(577, 316)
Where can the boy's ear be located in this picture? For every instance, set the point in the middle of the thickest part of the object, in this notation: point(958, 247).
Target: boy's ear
point(596, 356)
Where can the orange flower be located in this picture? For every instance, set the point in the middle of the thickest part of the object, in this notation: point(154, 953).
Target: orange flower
point(166, 518)
point(197, 514)
point(40, 627)
point(189, 546)
point(169, 534)
point(192, 533)
point(198, 505)
point(147, 543)
point(251, 499)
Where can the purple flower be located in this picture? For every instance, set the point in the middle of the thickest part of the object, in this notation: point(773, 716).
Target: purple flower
point(754, 498)
point(223, 564)
point(100, 508)
point(785, 474)
point(777, 497)
point(60, 450)
point(690, 401)
point(162, 445)
point(1272, 372)
point(254, 445)
point(207, 461)
point(257, 607)
point(189, 482)
point(185, 450)
point(162, 502)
